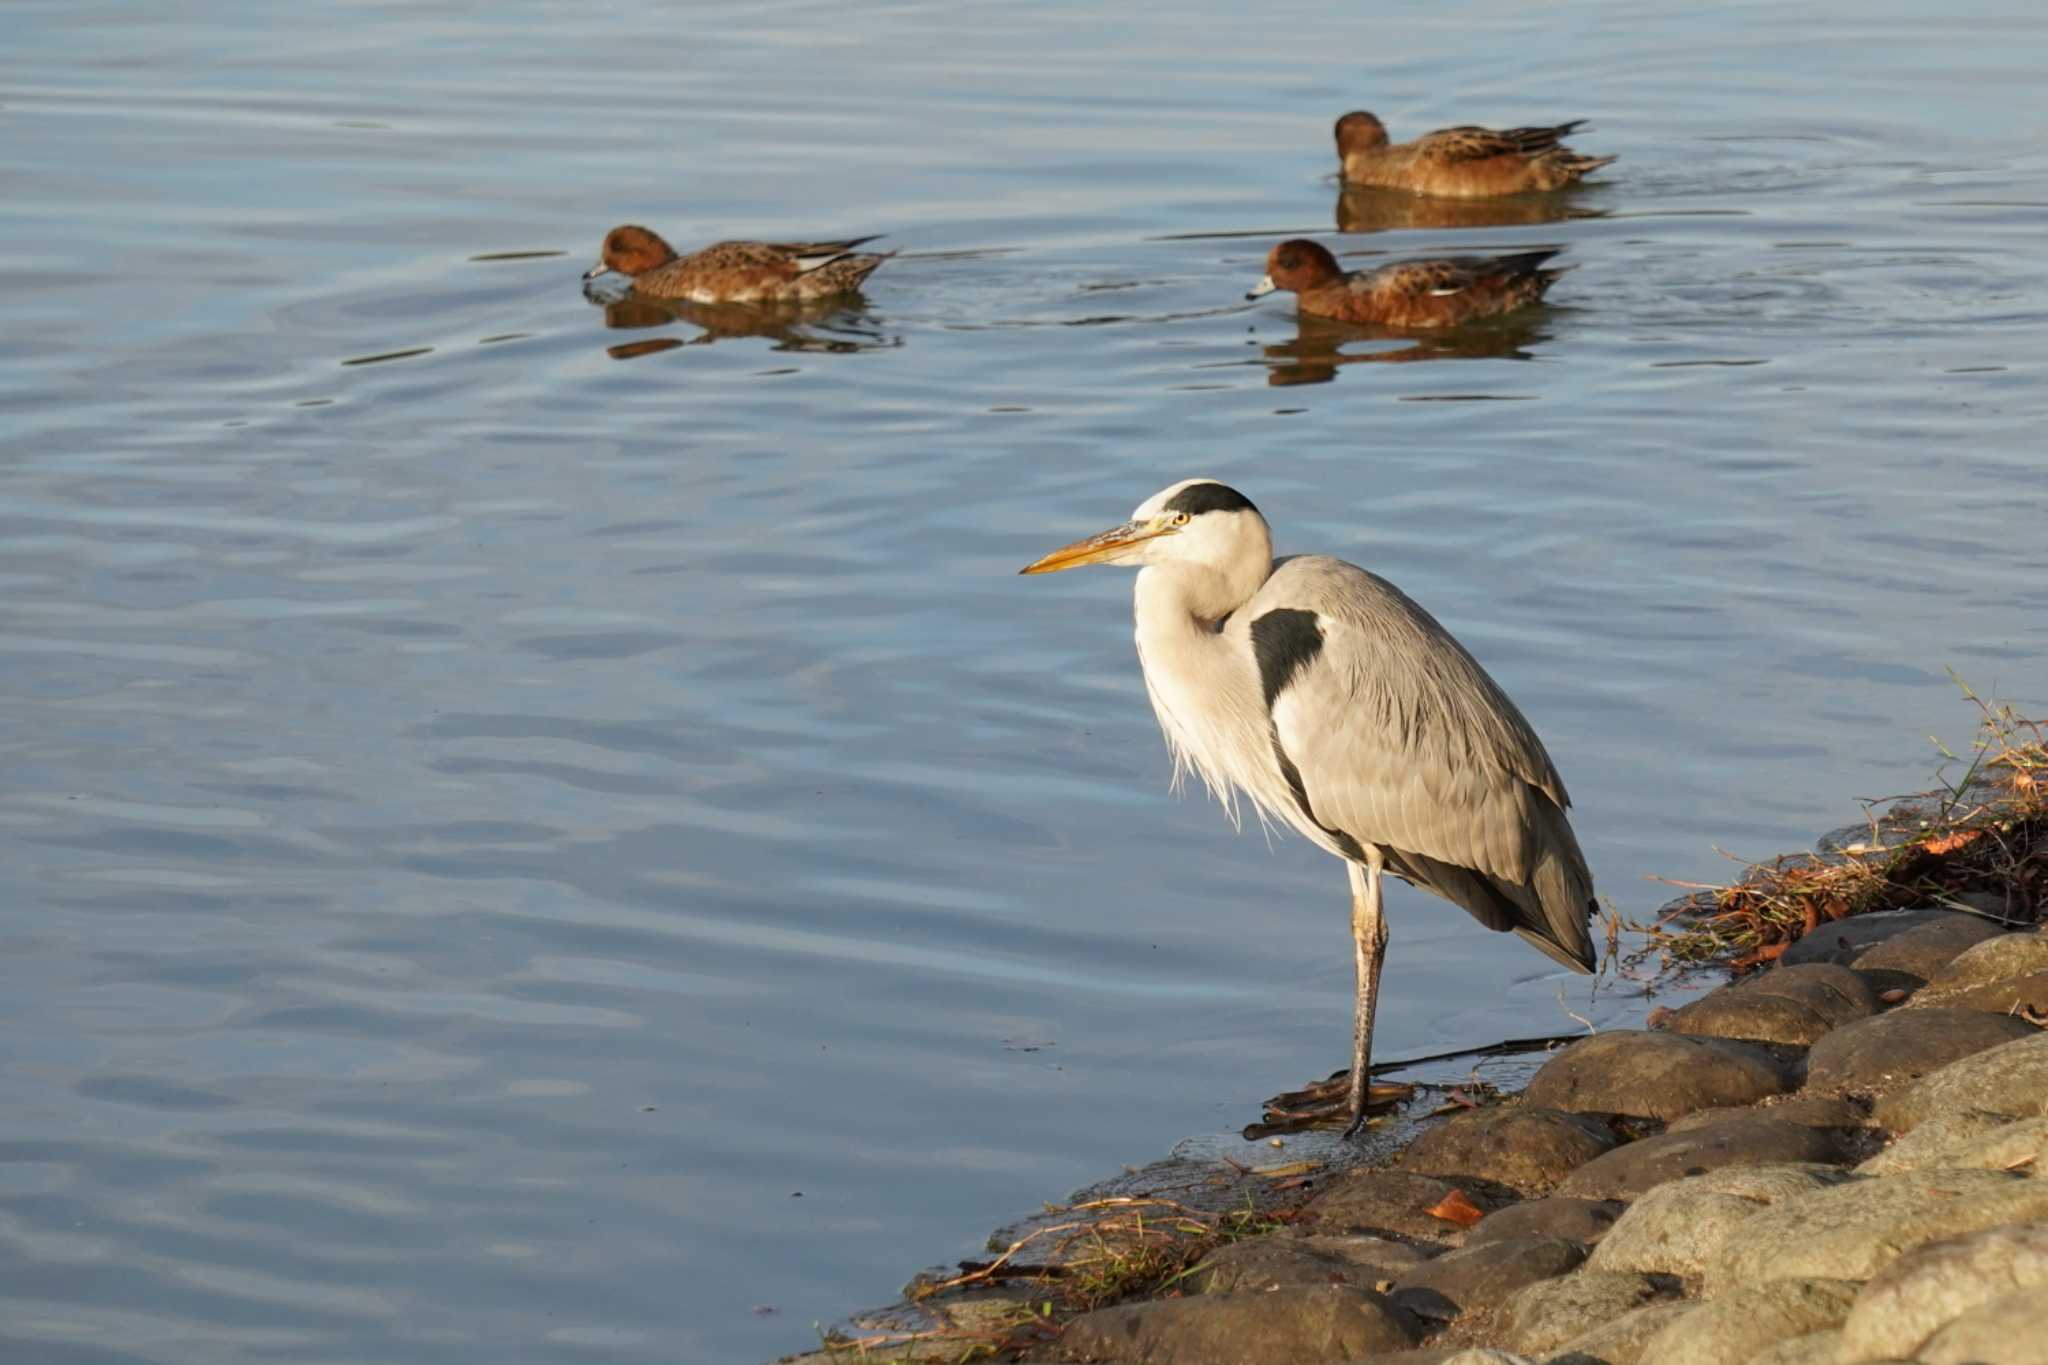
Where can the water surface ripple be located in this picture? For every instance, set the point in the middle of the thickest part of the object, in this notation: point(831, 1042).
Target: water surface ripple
point(552, 832)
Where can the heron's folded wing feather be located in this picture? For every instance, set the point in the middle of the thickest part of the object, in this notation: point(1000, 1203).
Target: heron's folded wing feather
point(1400, 739)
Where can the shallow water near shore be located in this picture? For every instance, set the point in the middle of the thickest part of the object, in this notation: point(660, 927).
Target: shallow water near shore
point(527, 841)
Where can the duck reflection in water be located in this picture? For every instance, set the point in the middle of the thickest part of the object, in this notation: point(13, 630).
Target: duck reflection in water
point(839, 326)
point(1318, 346)
point(1367, 208)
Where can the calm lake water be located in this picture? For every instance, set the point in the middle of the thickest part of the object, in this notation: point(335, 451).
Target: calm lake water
point(526, 840)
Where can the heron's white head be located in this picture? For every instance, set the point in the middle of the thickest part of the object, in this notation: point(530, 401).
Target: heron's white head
point(1196, 522)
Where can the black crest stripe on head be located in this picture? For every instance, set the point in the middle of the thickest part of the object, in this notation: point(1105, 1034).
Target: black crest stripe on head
point(1198, 498)
point(1284, 641)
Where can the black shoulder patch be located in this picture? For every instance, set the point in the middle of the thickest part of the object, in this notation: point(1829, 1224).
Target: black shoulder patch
point(1284, 641)
point(1198, 498)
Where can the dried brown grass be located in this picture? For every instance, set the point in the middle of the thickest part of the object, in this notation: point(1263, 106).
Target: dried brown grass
point(1984, 833)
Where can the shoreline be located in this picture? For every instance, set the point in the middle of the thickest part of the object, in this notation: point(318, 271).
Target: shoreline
point(1840, 1156)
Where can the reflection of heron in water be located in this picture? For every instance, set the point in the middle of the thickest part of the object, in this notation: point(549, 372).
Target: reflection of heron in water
point(1366, 208)
point(1318, 346)
point(830, 327)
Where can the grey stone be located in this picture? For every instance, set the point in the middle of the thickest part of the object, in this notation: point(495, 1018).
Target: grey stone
point(1907, 961)
point(2012, 1078)
point(1394, 1203)
point(1843, 941)
point(1856, 1229)
point(1998, 906)
point(1621, 1341)
point(1379, 1253)
point(1675, 1228)
point(1818, 1111)
point(977, 1306)
point(937, 1350)
point(1888, 1051)
point(2000, 958)
point(1262, 1264)
point(1915, 1296)
point(1729, 1331)
point(1515, 1145)
point(2014, 995)
point(1458, 1282)
point(1794, 1005)
point(1486, 1355)
point(2010, 1330)
point(1814, 1111)
point(1815, 1348)
point(2021, 1145)
point(979, 1309)
point(1325, 1323)
point(1746, 1140)
point(1549, 1313)
point(1931, 1145)
point(1655, 1075)
point(1442, 1355)
point(1575, 1220)
point(972, 1312)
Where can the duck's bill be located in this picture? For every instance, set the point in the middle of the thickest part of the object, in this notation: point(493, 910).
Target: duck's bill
point(1263, 287)
point(599, 269)
point(1098, 547)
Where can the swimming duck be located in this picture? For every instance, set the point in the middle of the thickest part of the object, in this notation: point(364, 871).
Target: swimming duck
point(1463, 162)
point(1407, 294)
point(735, 272)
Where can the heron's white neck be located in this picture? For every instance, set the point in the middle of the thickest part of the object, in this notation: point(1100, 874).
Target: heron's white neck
point(1184, 593)
point(1200, 687)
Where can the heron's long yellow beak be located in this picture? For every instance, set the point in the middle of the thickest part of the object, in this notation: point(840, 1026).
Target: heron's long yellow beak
point(1100, 546)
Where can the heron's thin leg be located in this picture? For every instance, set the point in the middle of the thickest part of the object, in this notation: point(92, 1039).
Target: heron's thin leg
point(1369, 942)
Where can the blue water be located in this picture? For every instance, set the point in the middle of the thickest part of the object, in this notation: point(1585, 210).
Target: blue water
point(529, 841)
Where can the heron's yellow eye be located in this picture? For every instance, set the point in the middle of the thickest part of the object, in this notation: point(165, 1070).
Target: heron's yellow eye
point(1181, 518)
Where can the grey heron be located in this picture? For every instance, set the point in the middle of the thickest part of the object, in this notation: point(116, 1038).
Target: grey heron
point(1339, 707)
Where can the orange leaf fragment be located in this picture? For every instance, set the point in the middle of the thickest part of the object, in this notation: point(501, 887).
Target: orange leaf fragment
point(1456, 1208)
point(1949, 843)
point(1769, 952)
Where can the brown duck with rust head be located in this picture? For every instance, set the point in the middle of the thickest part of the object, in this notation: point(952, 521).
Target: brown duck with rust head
point(736, 272)
point(1464, 162)
point(1408, 294)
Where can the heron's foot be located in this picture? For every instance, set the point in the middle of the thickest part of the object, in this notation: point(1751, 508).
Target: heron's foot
point(1326, 1104)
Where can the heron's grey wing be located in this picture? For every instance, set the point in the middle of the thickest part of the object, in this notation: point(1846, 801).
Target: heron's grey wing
point(1391, 734)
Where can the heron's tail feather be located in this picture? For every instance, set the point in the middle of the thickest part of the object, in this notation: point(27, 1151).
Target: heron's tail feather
point(1556, 952)
point(1562, 892)
point(1552, 911)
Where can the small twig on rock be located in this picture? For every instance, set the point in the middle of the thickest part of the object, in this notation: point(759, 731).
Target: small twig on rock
point(1950, 902)
point(1573, 1015)
point(989, 1270)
